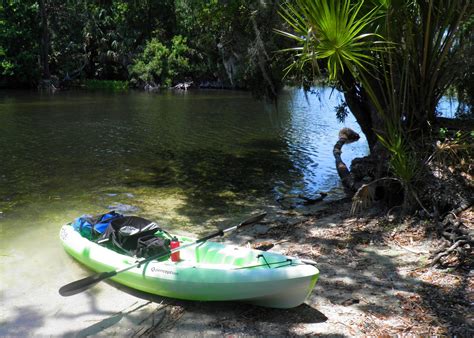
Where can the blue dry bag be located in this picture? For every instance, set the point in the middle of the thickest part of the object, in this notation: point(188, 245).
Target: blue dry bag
point(93, 226)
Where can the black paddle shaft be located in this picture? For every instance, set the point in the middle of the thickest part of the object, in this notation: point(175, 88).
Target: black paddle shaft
point(249, 221)
point(88, 282)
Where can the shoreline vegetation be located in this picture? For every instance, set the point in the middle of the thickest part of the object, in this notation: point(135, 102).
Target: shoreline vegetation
point(115, 85)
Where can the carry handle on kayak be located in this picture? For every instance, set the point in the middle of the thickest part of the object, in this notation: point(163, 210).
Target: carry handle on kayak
point(88, 282)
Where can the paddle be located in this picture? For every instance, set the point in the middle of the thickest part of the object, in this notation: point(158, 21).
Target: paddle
point(88, 282)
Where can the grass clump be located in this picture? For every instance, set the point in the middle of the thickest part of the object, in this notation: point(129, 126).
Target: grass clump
point(106, 84)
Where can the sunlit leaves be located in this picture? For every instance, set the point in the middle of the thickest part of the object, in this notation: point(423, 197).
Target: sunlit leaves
point(334, 31)
point(160, 64)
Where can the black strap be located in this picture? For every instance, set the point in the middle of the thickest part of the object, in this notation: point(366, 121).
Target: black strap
point(219, 233)
point(262, 256)
point(288, 260)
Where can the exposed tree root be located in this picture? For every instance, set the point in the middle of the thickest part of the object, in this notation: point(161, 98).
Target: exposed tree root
point(458, 240)
point(440, 189)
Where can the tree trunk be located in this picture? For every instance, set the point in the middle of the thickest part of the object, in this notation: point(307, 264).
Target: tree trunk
point(359, 104)
point(346, 135)
point(45, 41)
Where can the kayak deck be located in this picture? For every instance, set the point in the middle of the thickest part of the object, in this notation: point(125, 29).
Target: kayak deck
point(207, 271)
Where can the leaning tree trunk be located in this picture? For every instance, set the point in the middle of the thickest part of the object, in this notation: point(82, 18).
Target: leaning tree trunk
point(346, 136)
point(375, 165)
point(358, 102)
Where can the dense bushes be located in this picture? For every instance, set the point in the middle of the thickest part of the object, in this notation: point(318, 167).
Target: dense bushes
point(106, 84)
point(19, 37)
point(163, 42)
point(160, 65)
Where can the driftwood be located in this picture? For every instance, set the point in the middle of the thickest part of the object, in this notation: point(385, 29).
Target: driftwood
point(74, 74)
point(183, 85)
point(151, 87)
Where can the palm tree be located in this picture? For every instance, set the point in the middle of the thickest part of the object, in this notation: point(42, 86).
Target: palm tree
point(390, 58)
point(393, 60)
point(340, 38)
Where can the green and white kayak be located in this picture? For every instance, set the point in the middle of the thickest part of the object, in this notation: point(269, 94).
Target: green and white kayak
point(208, 271)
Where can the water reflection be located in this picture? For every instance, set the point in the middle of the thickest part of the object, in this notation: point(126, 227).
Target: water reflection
point(200, 154)
point(310, 135)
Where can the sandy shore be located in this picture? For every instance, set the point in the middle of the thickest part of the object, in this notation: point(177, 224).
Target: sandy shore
point(373, 281)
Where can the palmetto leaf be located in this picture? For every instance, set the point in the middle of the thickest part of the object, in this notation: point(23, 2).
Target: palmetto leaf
point(334, 31)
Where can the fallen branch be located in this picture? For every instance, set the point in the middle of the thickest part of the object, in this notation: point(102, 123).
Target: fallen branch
point(183, 85)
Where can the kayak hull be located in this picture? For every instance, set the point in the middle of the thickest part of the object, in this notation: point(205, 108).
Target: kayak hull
point(208, 271)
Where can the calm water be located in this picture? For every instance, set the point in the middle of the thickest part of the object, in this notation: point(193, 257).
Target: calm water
point(181, 158)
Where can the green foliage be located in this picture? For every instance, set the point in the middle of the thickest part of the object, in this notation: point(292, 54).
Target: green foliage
point(403, 159)
point(159, 64)
point(6, 66)
point(418, 73)
point(178, 60)
point(203, 22)
point(393, 87)
point(106, 40)
point(341, 112)
point(442, 133)
point(114, 85)
point(403, 78)
point(19, 38)
point(150, 65)
point(335, 32)
point(233, 42)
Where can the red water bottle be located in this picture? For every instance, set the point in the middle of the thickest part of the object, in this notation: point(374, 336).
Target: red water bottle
point(173, 245)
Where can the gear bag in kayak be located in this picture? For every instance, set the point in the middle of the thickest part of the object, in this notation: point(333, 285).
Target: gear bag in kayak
point(153, 246)
point(135, 236)
point(92, 227)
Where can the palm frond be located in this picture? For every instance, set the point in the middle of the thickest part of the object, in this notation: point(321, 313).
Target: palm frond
point(333, 31)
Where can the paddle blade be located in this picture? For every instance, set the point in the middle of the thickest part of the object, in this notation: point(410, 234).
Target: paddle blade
point(84, 284)
point(253, 220)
